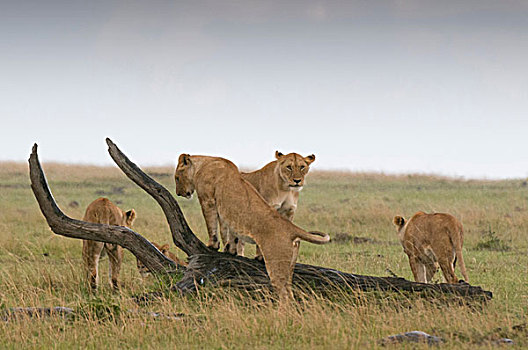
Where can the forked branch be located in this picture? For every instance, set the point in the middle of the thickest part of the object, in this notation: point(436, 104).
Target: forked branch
point(63, 225)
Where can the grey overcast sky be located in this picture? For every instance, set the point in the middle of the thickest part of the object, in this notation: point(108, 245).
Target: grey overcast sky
point(393, 86)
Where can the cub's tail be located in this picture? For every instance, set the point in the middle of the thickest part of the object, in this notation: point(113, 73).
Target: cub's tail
point(313, 237)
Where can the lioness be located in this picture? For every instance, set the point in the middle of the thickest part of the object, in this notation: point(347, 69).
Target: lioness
point(279, 183)
point(102, 211)
point(226, 197)
point(430, 240)
point(164, 249)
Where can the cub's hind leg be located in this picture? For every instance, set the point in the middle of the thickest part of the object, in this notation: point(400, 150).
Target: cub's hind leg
point(418, 269)
point(430, 271)
point(115, 257)
point(448, 270)
point(90, 253)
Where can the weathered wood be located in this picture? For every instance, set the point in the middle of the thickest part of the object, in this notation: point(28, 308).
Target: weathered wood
point(249, 274)
point(207, 266)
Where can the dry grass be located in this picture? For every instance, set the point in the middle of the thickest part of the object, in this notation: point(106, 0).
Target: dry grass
point(38, 268)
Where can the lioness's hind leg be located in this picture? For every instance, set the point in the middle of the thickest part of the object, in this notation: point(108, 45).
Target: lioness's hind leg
point(279, 268)
point(91, 252)
point(229, 237)
point(115, 257)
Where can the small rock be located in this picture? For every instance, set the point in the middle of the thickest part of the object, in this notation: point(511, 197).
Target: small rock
point(504, 341)
point(412, 337)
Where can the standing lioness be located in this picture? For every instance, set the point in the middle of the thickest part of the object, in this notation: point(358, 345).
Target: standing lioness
point(226, 197)
point(102, 211)
point(279, 183)
point(430, 240)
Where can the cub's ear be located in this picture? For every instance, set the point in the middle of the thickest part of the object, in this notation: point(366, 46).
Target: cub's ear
point(309, 159)
point(184, 159)
point(130, 217)
point(278, 155)
point(164, 248)
point(398, 221)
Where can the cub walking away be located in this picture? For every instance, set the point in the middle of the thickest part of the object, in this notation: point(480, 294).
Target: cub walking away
point(430, 240)
point(102, 211)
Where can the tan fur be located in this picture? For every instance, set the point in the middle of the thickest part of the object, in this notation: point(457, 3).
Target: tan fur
point(226, 197)
point(430, 240)
point(164, 249)
point(102, 211)
point(279, 183)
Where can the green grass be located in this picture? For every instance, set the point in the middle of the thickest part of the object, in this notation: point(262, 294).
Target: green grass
point(39, 268)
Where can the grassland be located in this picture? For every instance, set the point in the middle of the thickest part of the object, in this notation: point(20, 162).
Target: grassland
point(39, 268)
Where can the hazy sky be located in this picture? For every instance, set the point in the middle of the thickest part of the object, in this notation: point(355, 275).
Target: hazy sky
point(394, 86)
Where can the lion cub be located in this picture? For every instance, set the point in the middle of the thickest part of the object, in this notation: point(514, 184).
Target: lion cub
point(164, 249)
point(279, 183)
point(102, 211)
point(226, 197)
point(430, 240)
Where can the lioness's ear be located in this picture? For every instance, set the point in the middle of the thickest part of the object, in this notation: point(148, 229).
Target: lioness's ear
point(185, 159)
point(164, 248)
point(309, 159)
point(278, 154)
point(130, 217)
point(399, 221)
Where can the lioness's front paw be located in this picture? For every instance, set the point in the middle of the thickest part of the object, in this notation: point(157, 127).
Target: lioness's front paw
point(214, 245)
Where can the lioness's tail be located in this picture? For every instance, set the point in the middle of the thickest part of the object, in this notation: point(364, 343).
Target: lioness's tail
point(458, 241)
point(313, 237)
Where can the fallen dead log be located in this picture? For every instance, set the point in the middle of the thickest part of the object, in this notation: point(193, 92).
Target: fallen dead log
point(207, 266)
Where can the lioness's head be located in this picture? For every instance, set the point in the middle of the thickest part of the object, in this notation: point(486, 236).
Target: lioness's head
point(183, 177)
point(293, 168)
point(143, 270)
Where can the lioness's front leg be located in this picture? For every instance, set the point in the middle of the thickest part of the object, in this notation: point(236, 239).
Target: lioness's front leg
point(229, 237)
point(210, 214)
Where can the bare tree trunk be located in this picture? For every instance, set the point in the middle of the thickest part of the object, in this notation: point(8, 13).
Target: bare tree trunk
point(207, 265)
